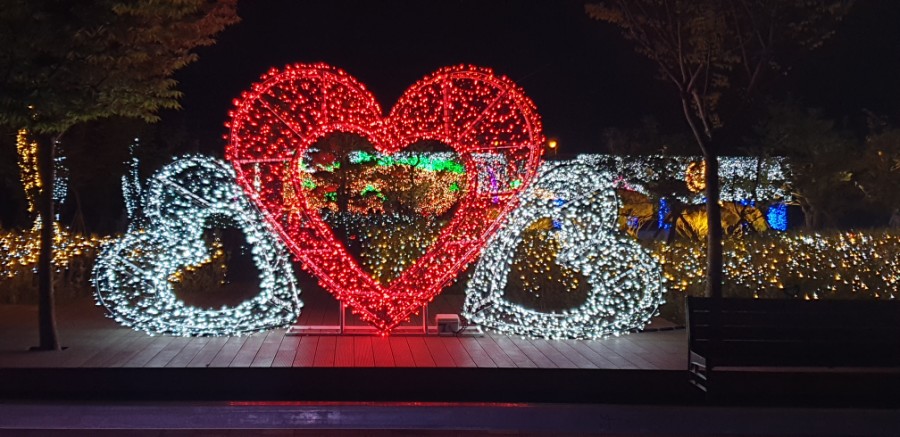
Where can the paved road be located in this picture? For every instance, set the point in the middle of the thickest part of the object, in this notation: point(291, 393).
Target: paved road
point(432, 419)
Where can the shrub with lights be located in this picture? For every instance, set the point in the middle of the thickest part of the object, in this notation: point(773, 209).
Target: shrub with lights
point(387, 210)
point(73, 253)
point(135, 275)
point(862, 265)
point(666, 193)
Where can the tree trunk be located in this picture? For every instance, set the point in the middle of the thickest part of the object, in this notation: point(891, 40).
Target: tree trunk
point(49, 340)
point(714, 261)
point(812, 218)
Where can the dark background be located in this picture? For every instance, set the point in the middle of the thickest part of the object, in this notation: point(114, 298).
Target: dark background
point(583, 76)
point(581, 73)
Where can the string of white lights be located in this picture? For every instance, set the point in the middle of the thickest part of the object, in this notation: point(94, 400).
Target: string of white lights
point(133, 273)
point(742, 178)
point(626, 283)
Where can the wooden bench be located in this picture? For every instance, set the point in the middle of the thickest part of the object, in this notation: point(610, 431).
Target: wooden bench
point(807, 336)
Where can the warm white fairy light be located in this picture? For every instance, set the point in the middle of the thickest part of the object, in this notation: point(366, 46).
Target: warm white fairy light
point(810, 266)
point(133, 273)
point(131, 187)
point(625, 281)
point(20, 249)
point(742, 177)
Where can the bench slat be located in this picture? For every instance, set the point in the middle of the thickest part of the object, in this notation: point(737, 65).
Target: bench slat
point(748, 353)
point(829, 333)
point(802, 318)
point(890, 335)
point(781, 305)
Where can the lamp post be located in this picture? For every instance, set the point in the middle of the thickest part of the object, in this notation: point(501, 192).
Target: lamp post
point(552, 145)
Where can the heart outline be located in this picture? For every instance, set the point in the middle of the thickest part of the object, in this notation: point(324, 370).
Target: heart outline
point(481, 116)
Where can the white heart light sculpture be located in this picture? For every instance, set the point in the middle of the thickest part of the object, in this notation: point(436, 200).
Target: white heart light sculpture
point(626, 282)
point(132, 273)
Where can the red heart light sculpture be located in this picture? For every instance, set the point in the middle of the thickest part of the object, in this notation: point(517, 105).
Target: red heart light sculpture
point(489, 122)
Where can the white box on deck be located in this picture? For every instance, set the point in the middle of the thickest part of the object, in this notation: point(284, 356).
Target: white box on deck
point(447, 324)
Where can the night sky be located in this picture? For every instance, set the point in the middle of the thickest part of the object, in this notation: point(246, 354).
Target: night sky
point(581, 74)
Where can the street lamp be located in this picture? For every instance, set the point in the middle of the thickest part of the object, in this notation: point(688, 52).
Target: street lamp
point(552, 144)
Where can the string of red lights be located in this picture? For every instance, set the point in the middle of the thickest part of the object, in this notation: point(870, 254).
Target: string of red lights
point(486, 119)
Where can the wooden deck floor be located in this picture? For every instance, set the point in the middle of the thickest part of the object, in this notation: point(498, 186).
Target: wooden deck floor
point(94, 341)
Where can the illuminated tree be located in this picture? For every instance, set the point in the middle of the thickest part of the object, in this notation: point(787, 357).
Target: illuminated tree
point(65, 63)
point(717, 54)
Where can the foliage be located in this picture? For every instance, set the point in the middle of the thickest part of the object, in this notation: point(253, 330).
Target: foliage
point(878, 174)
point(73, 260)
point(389, 244)
point(73, 252)
point(804, 265)
point(536, 281)
point(737, 220)
point(709, 49)
point(646, 139)
point(65, 63)
point(822, 160)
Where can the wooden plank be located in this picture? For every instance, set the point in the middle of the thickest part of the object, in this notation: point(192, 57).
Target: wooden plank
point(190, 350)
point(343, 352)
point(796, 355)
point(269, 348)
point(401, 353)
point(611, 355)
point(789, 330)
point(478, 355)
point(598, 360)
point(625, 342)
point(639, 356)
point(248, 350)
point(170, 351)
point(622, 349)
point(143, 357)
point(458, 353)
point(668, 342)
point(287, 350)
point(306, 352)
point(497, 354)
point(228, 352)
point(533, 353)
point(103, 341)
point(575, 357)
point(381, 352)
point(18, 338)
point(519, 357)
point(209, 352)
point(658, 353)
point(439, 352)
point(420, 353)
point(325, 351)
point(889, 309)
point(120, 356)
point(558, 358)
point(363, 356)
